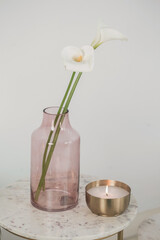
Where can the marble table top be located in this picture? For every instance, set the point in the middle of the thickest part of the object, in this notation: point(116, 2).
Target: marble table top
point(18, 216)
point(150, 228)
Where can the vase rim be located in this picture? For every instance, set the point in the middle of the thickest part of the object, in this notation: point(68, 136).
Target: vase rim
point(53, 110)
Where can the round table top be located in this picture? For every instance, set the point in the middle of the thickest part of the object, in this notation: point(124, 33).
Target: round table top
point(150, 228)
point(18, 216)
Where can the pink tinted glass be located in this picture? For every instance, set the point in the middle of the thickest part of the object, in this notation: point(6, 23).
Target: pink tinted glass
point(62, 178)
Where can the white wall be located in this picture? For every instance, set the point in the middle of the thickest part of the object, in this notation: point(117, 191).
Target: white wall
point(116, 106)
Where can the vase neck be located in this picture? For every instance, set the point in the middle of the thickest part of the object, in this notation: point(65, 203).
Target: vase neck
point(49, 116)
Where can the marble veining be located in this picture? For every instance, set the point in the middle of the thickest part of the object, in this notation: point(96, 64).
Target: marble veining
point(17, 215)
point(150, 228)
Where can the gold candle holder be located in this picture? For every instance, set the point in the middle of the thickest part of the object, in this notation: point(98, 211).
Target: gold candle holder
point(107, 206)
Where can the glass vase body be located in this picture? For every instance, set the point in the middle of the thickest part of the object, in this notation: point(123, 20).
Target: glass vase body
point(61, 188)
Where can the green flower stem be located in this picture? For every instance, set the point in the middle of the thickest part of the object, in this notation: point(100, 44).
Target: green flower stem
point(45, 153)
point(64, 98)
point(47, 162)
point(97, 45)
point(42, 179)
point(55, 121)
point(71, 92)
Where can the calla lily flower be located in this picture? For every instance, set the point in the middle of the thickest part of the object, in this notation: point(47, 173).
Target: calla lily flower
point(105, 34)
point(78, 59)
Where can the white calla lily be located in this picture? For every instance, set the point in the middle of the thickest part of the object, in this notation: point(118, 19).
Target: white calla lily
point(78, 59)
point(105, 34)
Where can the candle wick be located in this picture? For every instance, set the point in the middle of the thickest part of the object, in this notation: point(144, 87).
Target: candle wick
point(107, 191)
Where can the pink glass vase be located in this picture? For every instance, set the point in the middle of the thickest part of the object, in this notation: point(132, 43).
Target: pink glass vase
point(62, 178)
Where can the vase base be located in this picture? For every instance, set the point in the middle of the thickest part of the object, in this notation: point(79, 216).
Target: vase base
point(52, 210)
point(54, 200)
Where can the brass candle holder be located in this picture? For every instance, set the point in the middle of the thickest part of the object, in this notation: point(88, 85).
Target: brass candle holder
point(107, 207)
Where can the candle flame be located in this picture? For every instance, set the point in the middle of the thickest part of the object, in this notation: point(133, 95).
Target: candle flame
point(106, 190)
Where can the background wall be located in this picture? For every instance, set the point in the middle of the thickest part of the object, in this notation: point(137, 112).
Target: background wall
point(116, 106)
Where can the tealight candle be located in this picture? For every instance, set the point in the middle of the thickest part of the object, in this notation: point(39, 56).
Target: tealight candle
point(107, 197)
point(111, 193)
